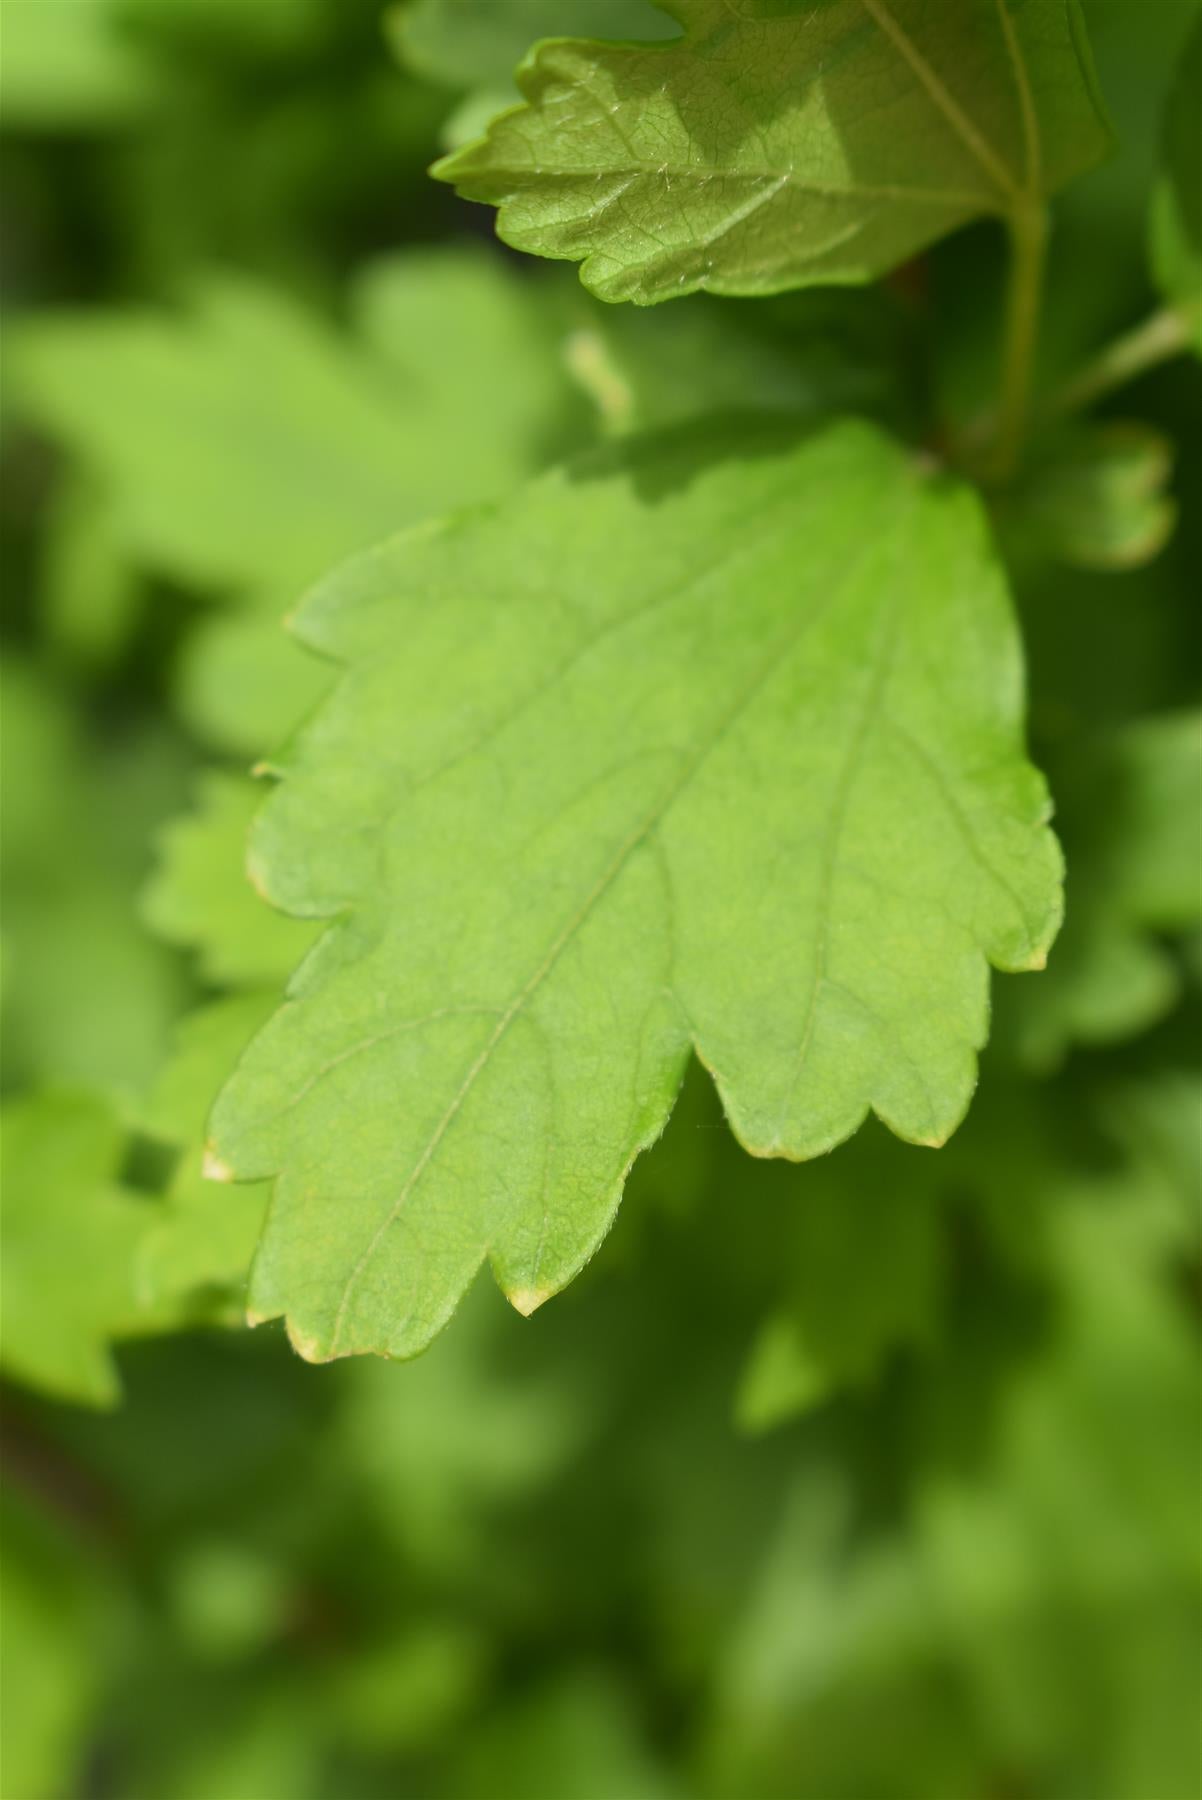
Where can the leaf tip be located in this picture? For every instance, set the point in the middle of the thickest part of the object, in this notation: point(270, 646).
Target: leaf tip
point(213, 1168)
point(306, 1344)
point(528, 1300)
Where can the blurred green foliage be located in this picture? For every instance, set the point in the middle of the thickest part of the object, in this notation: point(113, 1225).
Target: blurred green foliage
point(872, 1479)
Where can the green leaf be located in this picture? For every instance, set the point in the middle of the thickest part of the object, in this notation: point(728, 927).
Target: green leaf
point(241, 684)
point(838, 1313)
point(414, 1691)
point(1133, 827)
point(479, 43)
point(206, 1042)
point(267, 1740)
point(1097, 497)
point(68, 65)
point(844, 1311)
point(1027, 1583)
point(1177, 201)
point(247, 444)
point(270, 29)
point(782, 1378)
point(200, 896)
point(88, 994)
point(49, 1614)
point(228, 1601)
point(670, 751)
point(99, 65)
point(91, 598)
point(1157, 1119)
point(1157, 792)
point(70, 1238)
point(243, 689)
point(573, 1738)
point(779, 144)
point(200, 1241)
point(444, 1447)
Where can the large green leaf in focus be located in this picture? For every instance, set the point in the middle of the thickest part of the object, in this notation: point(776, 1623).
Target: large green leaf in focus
point(711, 742)
point(781, 143)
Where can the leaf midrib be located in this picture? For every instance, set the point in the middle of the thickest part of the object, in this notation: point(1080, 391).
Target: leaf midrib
point(706, 177)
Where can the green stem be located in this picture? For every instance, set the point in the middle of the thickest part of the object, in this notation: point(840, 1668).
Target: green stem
point(1165, 335)
point(1028, 252)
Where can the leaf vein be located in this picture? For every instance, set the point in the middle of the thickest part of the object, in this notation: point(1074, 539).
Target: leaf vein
point(978, 146)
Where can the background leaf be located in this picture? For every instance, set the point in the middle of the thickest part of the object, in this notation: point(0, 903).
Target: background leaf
point(1177, 202)
point(70, 1237)
point(1130, 816)
point(197, 1249)
point(479, 43)
point(1095, 497)
point(200, 896)
point(88, 997)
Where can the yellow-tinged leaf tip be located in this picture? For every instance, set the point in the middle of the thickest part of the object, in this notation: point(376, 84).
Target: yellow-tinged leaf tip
point(528, 1300)
point(213, 1168)
point(304, 1344)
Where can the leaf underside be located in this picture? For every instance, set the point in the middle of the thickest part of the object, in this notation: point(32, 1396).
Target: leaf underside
point(707, 744)
point(777, 144)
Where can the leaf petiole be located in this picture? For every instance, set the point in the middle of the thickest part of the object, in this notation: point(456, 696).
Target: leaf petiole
point(1157, 339)
point(1168, 333)
point(1028, 226)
